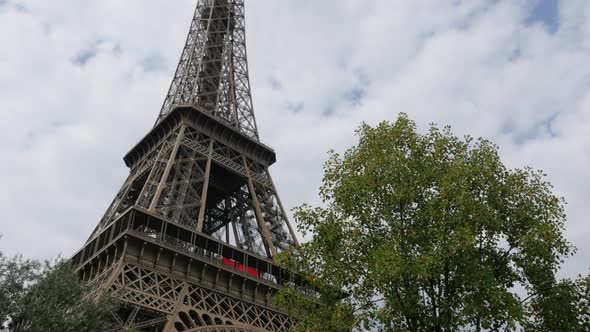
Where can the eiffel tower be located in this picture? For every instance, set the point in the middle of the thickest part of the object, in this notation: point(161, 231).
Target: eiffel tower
point(187, 243)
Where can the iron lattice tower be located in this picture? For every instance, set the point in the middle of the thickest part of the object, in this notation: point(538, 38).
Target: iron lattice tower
point(187, 242)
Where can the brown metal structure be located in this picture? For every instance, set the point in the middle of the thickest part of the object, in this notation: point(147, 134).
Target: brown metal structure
point(187, 243)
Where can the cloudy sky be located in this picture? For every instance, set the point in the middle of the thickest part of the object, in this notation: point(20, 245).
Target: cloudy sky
point(82, 81)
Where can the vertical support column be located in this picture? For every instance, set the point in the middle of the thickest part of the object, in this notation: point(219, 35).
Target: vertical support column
point(293, 236)
point(233, 221)
point(258, 211)
point(205, 47)
point(232, 90)
point(205, 188)
point(116, 271)
point(172, 318)
point(153, 170)
point(236, 237)
point(167, 170)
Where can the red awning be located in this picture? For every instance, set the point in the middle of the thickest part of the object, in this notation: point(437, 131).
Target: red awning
point(241, 267)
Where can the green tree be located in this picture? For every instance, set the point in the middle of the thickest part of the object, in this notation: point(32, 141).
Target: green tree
point(48, 297)
point(15, 274)
point(565, 307)
point(431, 232)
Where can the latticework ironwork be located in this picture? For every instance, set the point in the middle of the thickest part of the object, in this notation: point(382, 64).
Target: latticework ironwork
point(177, 305)
point(188, 240)
point(191, 306)
point(213, 68)
point(193, 177)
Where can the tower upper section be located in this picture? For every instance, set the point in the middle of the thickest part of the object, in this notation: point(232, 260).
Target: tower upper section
point(212, 73)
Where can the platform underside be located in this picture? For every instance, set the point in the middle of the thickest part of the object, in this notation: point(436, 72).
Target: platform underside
point(170, 278)
point(156, 301)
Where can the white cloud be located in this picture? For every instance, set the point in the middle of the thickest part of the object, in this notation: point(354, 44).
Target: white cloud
point(472, 64)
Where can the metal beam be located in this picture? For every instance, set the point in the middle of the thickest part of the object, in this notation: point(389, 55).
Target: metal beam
point(164, 178)
point(205, 189)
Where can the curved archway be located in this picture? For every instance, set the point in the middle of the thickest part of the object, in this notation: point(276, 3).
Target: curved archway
point(179, 327)
point(186, 320)
point(207, 319)
point(226, 328)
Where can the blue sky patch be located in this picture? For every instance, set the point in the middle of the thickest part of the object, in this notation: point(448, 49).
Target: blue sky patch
point(545, 12)
point(275, 84)
point(153, 63)
point(355, 95)
point(522, 135)
point(19, 7)
point(295, 107)
point(85, 55)
point(515, 55)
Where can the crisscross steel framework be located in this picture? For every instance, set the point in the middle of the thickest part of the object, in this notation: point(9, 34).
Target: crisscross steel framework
point(213, 68)
point(194, 177)
point(188, 241)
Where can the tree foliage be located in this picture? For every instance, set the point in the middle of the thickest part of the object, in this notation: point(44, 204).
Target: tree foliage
point(15, 274)
point(431, 232)
point(48, 297)
point(565, 307)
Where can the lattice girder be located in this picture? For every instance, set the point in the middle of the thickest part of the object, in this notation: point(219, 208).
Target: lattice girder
point(213, 72)
point(153, 297)
point(207, 182)
point(187, 243)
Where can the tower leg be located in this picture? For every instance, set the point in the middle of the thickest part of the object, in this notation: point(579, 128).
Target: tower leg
point(173, 318)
